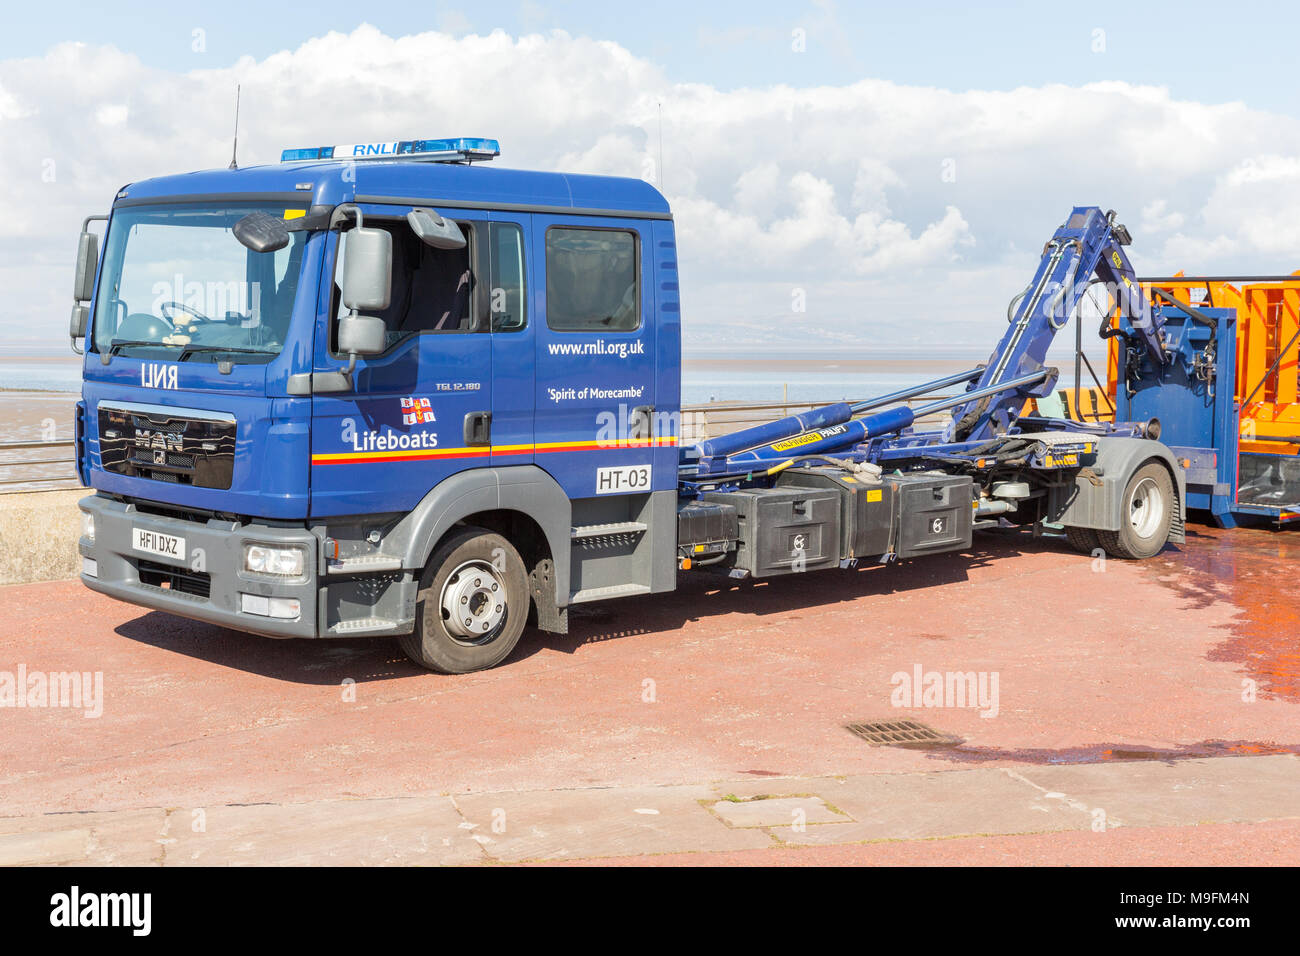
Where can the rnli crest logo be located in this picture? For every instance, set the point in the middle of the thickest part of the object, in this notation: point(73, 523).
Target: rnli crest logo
point(416, 411)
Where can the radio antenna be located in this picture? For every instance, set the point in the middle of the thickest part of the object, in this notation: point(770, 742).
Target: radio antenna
point(235, 150)
point(662, 186)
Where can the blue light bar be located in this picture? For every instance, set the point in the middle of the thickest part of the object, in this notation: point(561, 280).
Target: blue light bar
point(464, 149)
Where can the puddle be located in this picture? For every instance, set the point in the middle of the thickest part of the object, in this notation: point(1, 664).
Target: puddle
point(1115, 753)
point(1253, 569)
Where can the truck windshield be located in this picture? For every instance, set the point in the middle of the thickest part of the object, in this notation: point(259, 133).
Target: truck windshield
point(175, 282)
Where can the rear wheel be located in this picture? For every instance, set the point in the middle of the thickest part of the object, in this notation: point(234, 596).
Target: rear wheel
point(1147, 511)
point(473, 604)
point(1083, 540)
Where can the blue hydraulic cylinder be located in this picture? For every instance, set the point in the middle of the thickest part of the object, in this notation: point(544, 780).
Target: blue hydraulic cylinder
point(824, 417)
point(836, 438)
point(770, 432)
point(824, 440)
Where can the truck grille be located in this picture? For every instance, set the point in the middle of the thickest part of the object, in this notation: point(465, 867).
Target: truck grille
point(169, 578)
point(177, 445)
point(170, 459)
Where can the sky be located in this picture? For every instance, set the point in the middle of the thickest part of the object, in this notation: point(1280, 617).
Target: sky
point(874, 175)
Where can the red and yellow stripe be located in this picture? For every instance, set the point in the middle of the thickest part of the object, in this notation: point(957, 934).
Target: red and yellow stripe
point(435, 454)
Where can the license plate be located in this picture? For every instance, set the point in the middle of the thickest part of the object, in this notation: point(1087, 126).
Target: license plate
point(154, 542)
point(622, 480)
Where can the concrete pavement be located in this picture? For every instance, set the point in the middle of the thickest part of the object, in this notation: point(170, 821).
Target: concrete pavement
point(643, 822)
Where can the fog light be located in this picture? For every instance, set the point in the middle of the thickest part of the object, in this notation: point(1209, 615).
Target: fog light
point(89, 567)
point(263, 606)
point(283, 562)
point(88, 525)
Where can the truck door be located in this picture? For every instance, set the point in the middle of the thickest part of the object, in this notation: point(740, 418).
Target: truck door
point(421, 410)
point(513, 348)
point(595, 355)
point(597, 427)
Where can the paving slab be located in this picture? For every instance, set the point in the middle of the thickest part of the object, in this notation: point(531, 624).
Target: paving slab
point(39, 848)
point(410, 831)
point(777, 812)
point(927, 805)
point(1169, 793)
point(1276, 843)
point(122, 837)
point(574, 824)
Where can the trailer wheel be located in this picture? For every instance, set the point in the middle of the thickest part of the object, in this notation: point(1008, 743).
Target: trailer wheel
point(1147, 513)
point(472, 606)
point(1083, 540)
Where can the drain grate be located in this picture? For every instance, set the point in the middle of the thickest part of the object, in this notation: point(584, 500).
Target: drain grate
point(902, 733)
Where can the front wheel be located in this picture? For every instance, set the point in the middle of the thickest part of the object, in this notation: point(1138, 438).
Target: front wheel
point(1146, 516)
point(472, 606)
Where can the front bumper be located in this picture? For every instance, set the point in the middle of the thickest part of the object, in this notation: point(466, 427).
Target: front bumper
point(206, 583)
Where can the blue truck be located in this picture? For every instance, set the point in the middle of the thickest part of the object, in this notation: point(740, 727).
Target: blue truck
point(393, 389)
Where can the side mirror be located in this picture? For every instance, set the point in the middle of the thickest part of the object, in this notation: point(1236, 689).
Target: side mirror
point(83, 287)
point(83, 284)
point(262, 232)
point(367, 269)
point(434, 230)
point(361, 335)
point(78, 321)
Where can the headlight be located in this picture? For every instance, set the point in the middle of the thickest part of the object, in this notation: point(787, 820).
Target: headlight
point(284, 562)
point(88, 525)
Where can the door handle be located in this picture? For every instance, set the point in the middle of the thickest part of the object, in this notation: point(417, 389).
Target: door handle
point(641, 423)
point(478, 428)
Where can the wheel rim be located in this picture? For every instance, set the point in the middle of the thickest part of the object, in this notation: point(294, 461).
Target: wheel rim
point(1146, 508)
point(473, 602)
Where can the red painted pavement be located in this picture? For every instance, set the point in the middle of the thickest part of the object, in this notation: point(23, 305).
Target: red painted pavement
point(1134, 661)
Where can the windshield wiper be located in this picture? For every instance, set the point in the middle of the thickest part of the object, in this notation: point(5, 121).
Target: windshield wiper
point(191, 349)
point(118, 344)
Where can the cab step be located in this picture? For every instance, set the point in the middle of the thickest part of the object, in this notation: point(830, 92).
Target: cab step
point(363, 625)
point(613, 529)
point(364, 564)
point(612, 591)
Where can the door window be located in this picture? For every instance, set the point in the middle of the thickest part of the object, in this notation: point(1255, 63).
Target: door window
point(433, 289)
point(507, 300)
point(592, 280)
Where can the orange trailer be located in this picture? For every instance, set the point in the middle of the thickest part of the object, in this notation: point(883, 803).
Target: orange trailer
point(1265, 394)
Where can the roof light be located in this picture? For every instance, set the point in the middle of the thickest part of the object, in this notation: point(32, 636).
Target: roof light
point(463, 149)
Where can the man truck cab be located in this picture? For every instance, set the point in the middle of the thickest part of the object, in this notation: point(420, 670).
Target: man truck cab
point(385, 389)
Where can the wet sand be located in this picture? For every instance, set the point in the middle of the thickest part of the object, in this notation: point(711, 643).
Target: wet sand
point(36, 417)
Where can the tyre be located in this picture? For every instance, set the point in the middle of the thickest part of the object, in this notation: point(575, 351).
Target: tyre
point(1083, 540)
point(1147, 511)
point(472, 605)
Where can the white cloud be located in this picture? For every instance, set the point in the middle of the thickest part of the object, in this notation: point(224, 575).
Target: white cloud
point(10, 108)
point(112, 114)
point(908, 207)
point(1157, 217)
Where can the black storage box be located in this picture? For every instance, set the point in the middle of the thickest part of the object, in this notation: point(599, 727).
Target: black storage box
point(785, 530)
point(866, 508)
point(934, 513)
point(704, 525)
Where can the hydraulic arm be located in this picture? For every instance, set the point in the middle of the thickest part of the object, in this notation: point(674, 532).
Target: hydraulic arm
point(1087, 249)
point(1090, 243)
